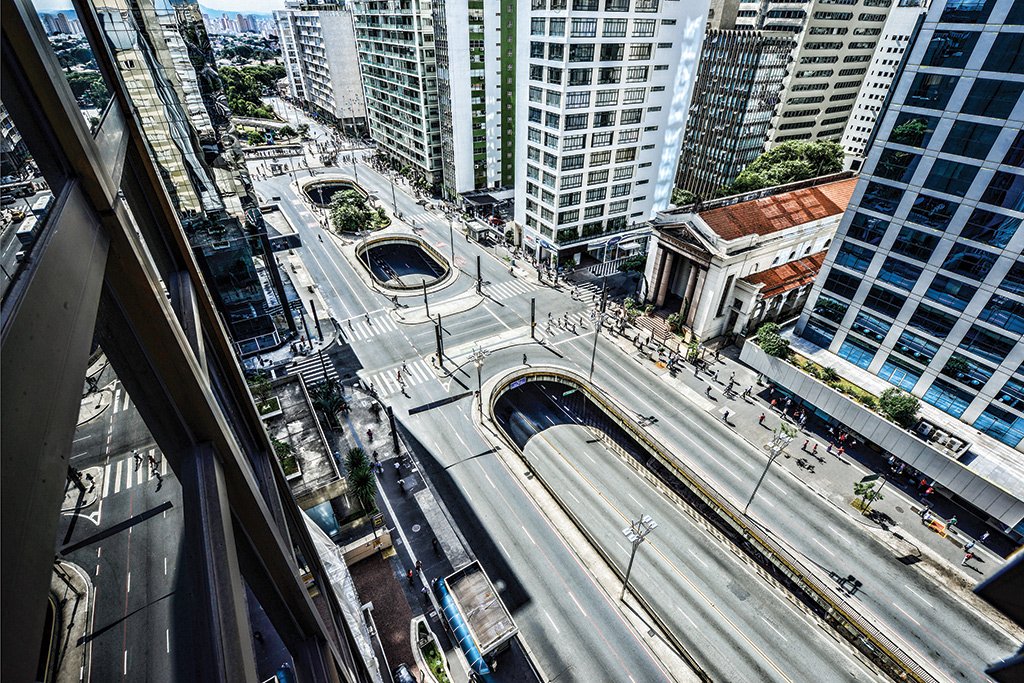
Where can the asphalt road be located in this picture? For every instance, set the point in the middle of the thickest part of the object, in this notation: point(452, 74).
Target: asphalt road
point(735, 623)
point(942, 632)
point(127, 542)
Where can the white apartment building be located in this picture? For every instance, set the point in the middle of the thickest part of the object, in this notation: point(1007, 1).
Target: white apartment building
point(836, 40)
point(477, 122)
point(600, 114)
point(897, 35)
point(395, 46)
point(289, 53)
point(323, 37)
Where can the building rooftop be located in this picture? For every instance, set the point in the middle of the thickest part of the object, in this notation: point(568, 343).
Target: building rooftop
point(782, 278)
point(779, 212)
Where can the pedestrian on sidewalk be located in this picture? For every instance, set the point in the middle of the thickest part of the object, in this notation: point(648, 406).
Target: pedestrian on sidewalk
point(951, 523)
point(760, 420)
point(814, 449)
point(967, 556)
point(707, 391)
point(732, 378)
point(806, 442)
point(419, 565)
point(409, 576)
point(968, 546)
point(524, 359)
point(725, 416)
point(138, 458)
point(774, 401)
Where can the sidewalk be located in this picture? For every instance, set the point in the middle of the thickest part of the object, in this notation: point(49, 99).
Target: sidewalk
point(828, 473)
point(72, 594)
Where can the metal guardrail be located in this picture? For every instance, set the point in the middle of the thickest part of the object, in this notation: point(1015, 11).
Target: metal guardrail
point(783, 566)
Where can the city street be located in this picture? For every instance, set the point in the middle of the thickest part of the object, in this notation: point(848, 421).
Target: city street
point(933, 624)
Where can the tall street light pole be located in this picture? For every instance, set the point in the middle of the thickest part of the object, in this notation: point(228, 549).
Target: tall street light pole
point(477, 357)
point(783, 435)
point(635, 533)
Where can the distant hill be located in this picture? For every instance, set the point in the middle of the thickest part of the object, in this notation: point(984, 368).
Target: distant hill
point(69, 12)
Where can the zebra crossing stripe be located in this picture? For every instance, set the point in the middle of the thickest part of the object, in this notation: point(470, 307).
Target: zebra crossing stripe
point(106, 479)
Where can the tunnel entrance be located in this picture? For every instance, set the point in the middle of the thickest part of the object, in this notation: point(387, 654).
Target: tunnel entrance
point(321, 192)
point(402, 262)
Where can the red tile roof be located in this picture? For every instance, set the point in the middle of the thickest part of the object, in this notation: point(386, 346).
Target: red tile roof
point(781, 279)
point(781, 211)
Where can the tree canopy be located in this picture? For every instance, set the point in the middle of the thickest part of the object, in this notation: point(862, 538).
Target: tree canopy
point(350, 211)
point(788, 163)
point(899, 406)
point(244, 87)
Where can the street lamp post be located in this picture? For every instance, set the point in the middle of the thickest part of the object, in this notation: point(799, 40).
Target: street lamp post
point(593, 352)
point(451, 238)
point(782, 437)
point(477, 357)
point(635, 533)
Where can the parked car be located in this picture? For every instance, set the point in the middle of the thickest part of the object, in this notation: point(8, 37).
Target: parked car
point(403, 675)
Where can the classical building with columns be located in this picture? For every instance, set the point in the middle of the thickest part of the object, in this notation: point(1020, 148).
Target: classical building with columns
point(728, 265)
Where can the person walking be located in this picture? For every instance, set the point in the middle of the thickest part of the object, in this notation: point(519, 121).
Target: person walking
point(968, 546)
point(760, 420)
point(419, 565)
point(725, 416)
point(806, 442)
point(524, 360)
point(138, 458)
point(951, 523)
point(814, 449)
point(707, 391)
point(409, 575)
point(967, 556)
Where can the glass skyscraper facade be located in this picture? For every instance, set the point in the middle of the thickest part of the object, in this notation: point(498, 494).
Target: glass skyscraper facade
point(924, 284)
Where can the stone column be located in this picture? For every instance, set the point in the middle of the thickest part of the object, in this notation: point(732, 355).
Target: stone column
point(664, 278)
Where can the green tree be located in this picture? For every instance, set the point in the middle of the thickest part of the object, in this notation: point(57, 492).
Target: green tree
point(244, 88)
point(329, 400)
point(285, 453)
point(355, 458)
point(683, 197)
point(286, 131)
point(88, 88)
point(788, 163)
point(771, 342)
point(256, 137)
point(350, 211)
point(865, 492)
point(899, 406)
point(260, 388)
point(363, 486)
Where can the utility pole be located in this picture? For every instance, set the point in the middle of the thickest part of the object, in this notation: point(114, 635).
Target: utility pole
point(425, 302)
point(635, 533)
point(451, 238)
point(477, 357)
point(479, 276)
point(394, 198)
point(438, 337)
point(316, 320)
point(782, 437)
point(533, 317)
point(593, 353)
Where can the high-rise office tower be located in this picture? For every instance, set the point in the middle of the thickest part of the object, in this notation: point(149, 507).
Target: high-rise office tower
point(896, 37)
point(834, 45)
point(319, 48)
point(476, 79)
point(111, 266)
point(166, 62)
point(924, 284)
point(601, 109)
point(395, 44)
point(739, 80)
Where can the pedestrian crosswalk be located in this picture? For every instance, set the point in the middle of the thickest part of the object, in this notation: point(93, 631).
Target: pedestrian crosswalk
point(129, 471)
point(509, 289)
point(121, 400)
point(386, 382)
point(314, 369)
point(362, 328)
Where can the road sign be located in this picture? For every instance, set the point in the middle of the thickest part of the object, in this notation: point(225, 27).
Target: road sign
point(378, 520)
point(571, 391)
point(518, 383)
point(870, 478)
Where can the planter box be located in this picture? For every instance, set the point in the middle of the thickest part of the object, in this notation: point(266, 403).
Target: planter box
point(272, 408)
point(422, 638)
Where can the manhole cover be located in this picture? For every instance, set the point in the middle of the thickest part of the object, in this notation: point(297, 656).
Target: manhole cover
point(415, 528)
point(899, 509)
point(499, 585)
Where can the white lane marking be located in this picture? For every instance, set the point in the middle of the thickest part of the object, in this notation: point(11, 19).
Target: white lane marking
point(495, 316)
point(126, 399)
point(686, 616)
point(117, 477)
point(921, 597)
point(82, 438)
point(823, 547)
point(129, 583)
point(767, 502)
point(489, 481)
point(780, 489)
point(697, 557)
point(167, 639)
point(99, 552)
point(106, 480)
point(552, 621)
point(577, 603)
point(97, 570)
point(573, 496)
point(125, 673)
point(504, 549)
point(527, 534)
point(634, 499)
point(905, 614)
point(165, 565)
point(774, 629)
point(128, 480)
point(841, 535)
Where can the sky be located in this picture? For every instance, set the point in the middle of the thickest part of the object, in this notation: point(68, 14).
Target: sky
point(230, 6)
